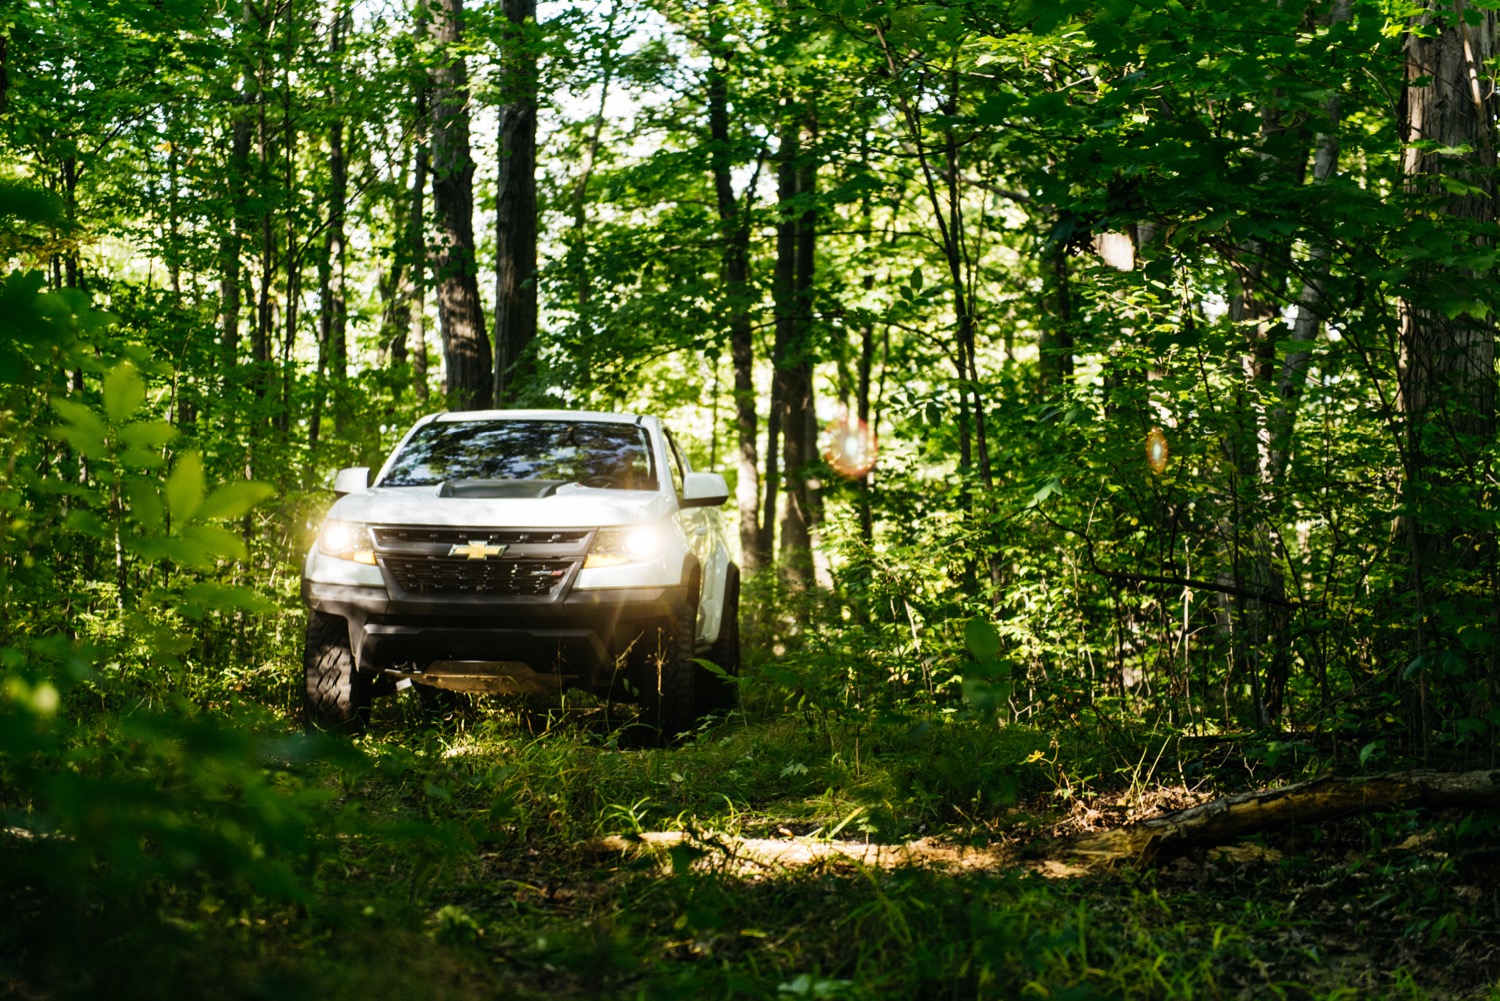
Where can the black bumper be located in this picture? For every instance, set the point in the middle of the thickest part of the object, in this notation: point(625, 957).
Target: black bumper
point(581, 635)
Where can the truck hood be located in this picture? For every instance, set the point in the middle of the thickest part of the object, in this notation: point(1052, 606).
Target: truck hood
point(585, 508)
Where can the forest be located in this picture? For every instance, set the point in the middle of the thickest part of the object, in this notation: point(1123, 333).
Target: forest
point(1107, 395)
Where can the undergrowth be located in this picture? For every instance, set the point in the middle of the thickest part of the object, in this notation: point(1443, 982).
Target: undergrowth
point(459, 857)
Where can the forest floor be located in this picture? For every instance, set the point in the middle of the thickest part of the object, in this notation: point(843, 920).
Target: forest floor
point(803, 856)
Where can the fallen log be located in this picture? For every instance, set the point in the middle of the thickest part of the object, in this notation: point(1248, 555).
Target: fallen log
point(1327, 797)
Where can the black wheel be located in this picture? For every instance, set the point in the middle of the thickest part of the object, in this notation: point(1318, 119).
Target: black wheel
point(717, 694)
point(335, 696)
point(666, 680)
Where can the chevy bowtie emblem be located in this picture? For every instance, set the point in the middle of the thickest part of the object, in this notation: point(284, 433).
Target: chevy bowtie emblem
point(476, 550)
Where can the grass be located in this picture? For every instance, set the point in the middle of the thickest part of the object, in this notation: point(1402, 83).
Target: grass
point(458, 861)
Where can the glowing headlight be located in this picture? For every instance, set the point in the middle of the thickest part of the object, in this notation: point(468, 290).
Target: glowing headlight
point(347, 540)
point(617, 546)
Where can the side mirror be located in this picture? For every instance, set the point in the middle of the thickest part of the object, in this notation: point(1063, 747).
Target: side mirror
point(354, 480)
point(704, 490)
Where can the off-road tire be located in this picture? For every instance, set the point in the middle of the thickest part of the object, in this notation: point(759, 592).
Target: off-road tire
point(335, 696)
point(667, 679)
point(716, 694)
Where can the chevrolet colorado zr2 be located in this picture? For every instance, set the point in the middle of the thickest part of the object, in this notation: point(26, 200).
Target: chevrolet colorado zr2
point(525, 551)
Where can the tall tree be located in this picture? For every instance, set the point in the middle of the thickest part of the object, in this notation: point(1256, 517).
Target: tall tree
point(466, 345)
point(735, 219)
point(333, 306)
point(515, 204)
point(797, 238)
point(1447, 353)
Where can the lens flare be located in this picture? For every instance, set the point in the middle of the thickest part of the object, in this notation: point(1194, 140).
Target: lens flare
point(850, 447)
point(1156, 451)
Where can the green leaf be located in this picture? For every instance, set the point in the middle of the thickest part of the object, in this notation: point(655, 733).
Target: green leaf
point(185, 487)
point(84, 430)
point(996, 108)
point(86, 523)
point(234, 500)
point(140, 458)
point(124, 393)
point(714, 669)
point(982, 639)
point(147, 434)
point(145, 503)
point(916, 278)
point(86, 444)
point(210, 543)
point(1049, 488)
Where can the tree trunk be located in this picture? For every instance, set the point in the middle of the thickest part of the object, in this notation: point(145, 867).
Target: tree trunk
point(798, 427)
point(1447, 355)
point(407, 335)
point(1056, 348)
point(233, 235)
point(173, 253)
point(416, 331)
point(579, 238)
point(336, 313)
point(734, 234)
point(1256, 630)
point(332, 307)
point(1447, 387)
point(466, 345)
point(260, 339)
point(515, 208)
point(783, 297)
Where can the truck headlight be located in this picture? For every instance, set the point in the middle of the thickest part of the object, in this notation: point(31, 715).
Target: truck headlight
point(615, 547)
point(347, 540)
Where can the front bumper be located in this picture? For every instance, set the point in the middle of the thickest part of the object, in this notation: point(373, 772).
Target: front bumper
point(583, 636)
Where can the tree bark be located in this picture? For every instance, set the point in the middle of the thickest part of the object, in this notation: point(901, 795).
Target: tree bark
point(798, 427)
point(1256, 629)
point(783, 281)
point(466, 345)
point(515, 208)
point(1056, 348)
point(417, 244)
point(1446, 391)
point(1447, 378)
point(408, 337)
point(734, 264)
point(333, 311)
point(232, 239)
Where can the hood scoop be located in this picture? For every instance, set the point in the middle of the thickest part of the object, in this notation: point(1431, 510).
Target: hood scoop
point(495, 489)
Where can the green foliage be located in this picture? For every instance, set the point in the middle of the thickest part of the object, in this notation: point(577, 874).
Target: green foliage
point(1014, 615)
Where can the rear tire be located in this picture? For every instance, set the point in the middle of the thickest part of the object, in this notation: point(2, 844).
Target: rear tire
point(716, 694)
point(335, 696)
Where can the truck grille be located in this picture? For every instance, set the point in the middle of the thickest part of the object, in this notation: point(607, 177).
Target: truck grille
point(461, 536)
point(441, 575)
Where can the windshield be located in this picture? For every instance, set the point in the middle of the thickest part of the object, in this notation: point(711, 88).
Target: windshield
point(591, 453)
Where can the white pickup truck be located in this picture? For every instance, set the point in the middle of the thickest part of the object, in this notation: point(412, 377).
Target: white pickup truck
point(525, 551)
